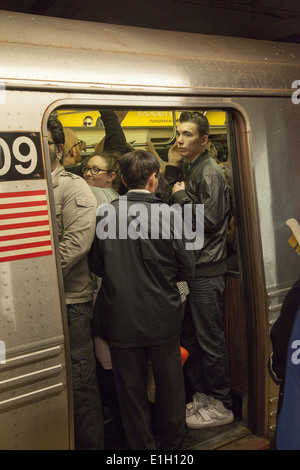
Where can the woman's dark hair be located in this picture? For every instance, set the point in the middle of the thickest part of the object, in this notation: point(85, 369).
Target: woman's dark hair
point(136, 168)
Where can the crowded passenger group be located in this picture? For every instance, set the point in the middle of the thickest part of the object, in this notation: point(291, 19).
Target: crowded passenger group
point(141, 301)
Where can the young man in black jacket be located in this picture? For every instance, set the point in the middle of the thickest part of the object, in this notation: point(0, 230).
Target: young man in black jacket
point(202, 182)
point(137, 311)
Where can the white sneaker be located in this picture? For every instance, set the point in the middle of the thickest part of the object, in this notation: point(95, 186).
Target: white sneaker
point(210, 415)
point(199, 401)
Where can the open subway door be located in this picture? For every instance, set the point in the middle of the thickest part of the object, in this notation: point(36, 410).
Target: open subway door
point(34, 395)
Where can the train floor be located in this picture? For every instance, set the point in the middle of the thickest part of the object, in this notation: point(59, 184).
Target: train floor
point(195, 439)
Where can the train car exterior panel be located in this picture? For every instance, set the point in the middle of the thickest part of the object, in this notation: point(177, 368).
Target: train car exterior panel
point(178, 63)
point(34, 381)
point(275, 170)
point(33, 401)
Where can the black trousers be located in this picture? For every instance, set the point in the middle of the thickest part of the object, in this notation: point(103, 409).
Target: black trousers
point(130, 367)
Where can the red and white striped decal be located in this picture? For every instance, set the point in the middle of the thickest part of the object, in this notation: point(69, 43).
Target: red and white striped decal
point(24, 225)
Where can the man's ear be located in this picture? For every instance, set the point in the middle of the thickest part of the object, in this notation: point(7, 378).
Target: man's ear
point(60, 152)
point(152, 183)
point(152, 178)
point(205, 139)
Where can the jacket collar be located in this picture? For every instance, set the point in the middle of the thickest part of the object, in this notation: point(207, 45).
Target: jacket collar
point(56, 174)
point(203, 156)
point(140, 196)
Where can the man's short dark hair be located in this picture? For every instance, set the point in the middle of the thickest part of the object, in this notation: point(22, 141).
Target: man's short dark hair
point(197, 118)
point(136, 168)
point(57, 130)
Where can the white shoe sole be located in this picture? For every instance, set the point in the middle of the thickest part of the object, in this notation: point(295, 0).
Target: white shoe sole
point(210, 424)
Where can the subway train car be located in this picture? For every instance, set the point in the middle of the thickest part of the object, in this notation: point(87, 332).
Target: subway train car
point(250, 92)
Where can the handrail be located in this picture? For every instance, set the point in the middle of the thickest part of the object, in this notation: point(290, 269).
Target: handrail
point(163, 143)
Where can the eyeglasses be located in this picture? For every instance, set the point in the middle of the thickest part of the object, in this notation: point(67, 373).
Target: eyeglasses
point(94, 170)
point(87, 123)
point(80, 142)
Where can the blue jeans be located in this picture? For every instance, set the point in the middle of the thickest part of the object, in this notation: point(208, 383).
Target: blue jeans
point(88, 417)
point(206, 369)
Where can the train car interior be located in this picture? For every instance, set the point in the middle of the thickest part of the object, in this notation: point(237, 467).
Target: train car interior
point(154, 129)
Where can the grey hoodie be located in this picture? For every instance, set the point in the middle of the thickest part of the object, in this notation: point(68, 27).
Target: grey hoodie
point(75, 207)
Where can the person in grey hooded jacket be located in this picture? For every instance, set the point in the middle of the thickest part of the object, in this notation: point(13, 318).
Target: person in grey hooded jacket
point(75, 208)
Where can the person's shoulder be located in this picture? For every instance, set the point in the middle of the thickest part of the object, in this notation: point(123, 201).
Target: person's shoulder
point(211, 169)
point(104, 195)
point(67, 174)
point(72, 178)
point(75, 183)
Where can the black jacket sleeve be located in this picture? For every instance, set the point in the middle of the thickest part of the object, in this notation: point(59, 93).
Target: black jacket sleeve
point(95, 258)
point(115, 140)
point(172, 174)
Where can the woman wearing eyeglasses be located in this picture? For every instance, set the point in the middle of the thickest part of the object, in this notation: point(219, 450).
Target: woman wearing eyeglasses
point(102, 173)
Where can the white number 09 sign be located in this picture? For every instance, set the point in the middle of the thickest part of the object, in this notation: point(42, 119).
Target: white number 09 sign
point(20, 156)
